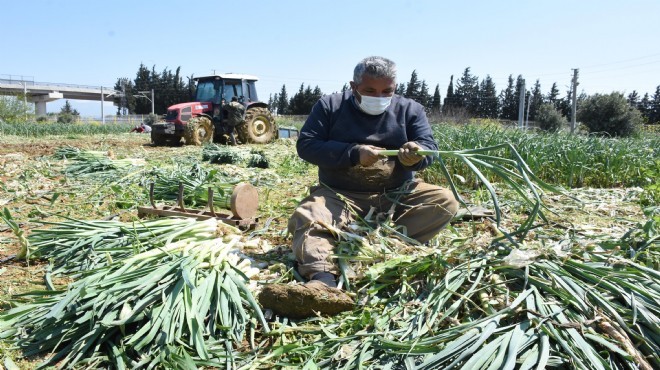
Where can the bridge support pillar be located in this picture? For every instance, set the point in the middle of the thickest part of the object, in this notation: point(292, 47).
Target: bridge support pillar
point(41, 100)
point(40, 108)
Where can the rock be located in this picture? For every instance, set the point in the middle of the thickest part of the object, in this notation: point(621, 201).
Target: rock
point(298, 301)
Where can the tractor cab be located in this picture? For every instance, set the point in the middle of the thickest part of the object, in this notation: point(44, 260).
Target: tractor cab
point(215, 88)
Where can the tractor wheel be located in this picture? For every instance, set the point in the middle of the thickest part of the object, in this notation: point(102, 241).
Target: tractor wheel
point(158, 139)
point(259, 127)
point(199, 130)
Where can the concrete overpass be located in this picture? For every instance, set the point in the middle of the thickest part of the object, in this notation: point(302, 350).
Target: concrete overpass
point(41, 93)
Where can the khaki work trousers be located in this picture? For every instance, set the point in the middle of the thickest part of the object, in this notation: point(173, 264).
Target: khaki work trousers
point(423, 209)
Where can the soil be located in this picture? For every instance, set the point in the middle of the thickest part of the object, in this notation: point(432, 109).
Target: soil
point(27, 177)
point(298, 301)
point(47, 146)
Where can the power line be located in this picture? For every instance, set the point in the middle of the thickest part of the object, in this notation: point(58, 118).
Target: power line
point(622, 61)
point(279, 78)
point(549, 74)
point(624, 67)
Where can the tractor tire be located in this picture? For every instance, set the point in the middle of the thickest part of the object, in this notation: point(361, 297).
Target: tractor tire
point(158, 139)
point(198, 131)
point(259, 127)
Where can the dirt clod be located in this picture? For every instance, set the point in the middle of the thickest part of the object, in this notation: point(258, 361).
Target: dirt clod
point(297, 301)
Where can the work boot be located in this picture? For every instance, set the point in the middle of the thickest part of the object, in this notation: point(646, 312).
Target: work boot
point(297, 301)
point(326, 278)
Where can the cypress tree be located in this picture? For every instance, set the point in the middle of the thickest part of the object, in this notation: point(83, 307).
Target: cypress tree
point(67, 114)
point(644, 105)
point(654, 111)
point(467, 88)
point(633, 99)
point(424, 96)
point(553, 96)
point(142, 82)
point(125, 101)
point(435, 103)
point(67, 109)
point(272, 99)
point(414, 87)
point(400, 89)
point(282, 103)
point(450, 102)
point(297, 101)
point(488, 102)
point(565, 105)
point(180, 89)
point(310, 97)
point(509, 101)
point(536, 100)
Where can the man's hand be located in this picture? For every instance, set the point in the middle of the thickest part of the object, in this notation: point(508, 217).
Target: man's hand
point(368, 154)
point(408, 154)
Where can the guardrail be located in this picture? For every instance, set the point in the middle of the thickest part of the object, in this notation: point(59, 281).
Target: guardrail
point(21, 80)
point(17, 78)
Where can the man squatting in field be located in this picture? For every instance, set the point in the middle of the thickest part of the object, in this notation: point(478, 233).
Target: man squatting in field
point(342, 136)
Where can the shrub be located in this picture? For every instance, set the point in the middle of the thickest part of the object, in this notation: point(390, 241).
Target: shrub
point(151, 119)
point(651, 194)
point(13, 109)
point(609, 114)
point(550, 119)
point(42, 119)
point(66, 118)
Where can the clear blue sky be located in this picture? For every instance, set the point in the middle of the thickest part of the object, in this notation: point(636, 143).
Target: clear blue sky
point(615, 44)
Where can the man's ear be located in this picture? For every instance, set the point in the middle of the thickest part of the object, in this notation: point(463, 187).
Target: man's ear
point(353, 85)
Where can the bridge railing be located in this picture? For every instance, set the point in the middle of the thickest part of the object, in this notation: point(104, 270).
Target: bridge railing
point(16, 78)
point(29, 81)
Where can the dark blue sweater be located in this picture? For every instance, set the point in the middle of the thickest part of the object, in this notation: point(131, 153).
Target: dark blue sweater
point(336, 125)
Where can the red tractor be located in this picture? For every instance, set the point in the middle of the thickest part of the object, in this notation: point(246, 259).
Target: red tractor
point(209, 117)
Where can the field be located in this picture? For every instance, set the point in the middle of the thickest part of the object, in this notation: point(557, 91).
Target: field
point(563, 275)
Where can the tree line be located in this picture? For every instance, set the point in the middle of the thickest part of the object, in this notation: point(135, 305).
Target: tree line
point(169, 87)
point(475, 98)
point(467, 95)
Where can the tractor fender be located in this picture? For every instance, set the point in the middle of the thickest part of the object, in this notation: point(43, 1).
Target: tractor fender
point(257, 104)
point(203, 115)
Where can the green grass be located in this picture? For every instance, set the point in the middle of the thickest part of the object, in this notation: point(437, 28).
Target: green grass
point(290, 121)
point(561, 159)
point(43, 129)
point(33, 129)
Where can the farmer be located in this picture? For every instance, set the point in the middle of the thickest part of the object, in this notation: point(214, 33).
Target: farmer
point(235, 113)
point(142, 128)
point(342, 136)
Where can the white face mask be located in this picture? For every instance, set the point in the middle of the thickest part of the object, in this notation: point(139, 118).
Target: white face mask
point(374, 105)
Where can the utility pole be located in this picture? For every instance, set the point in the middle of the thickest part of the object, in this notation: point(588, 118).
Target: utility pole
point(529, 104)
point(521, 105)
point(123, 105)
point(146, 97)
point(25, 93)
point(102, 103)
point(25, 99)
point(574, 105)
